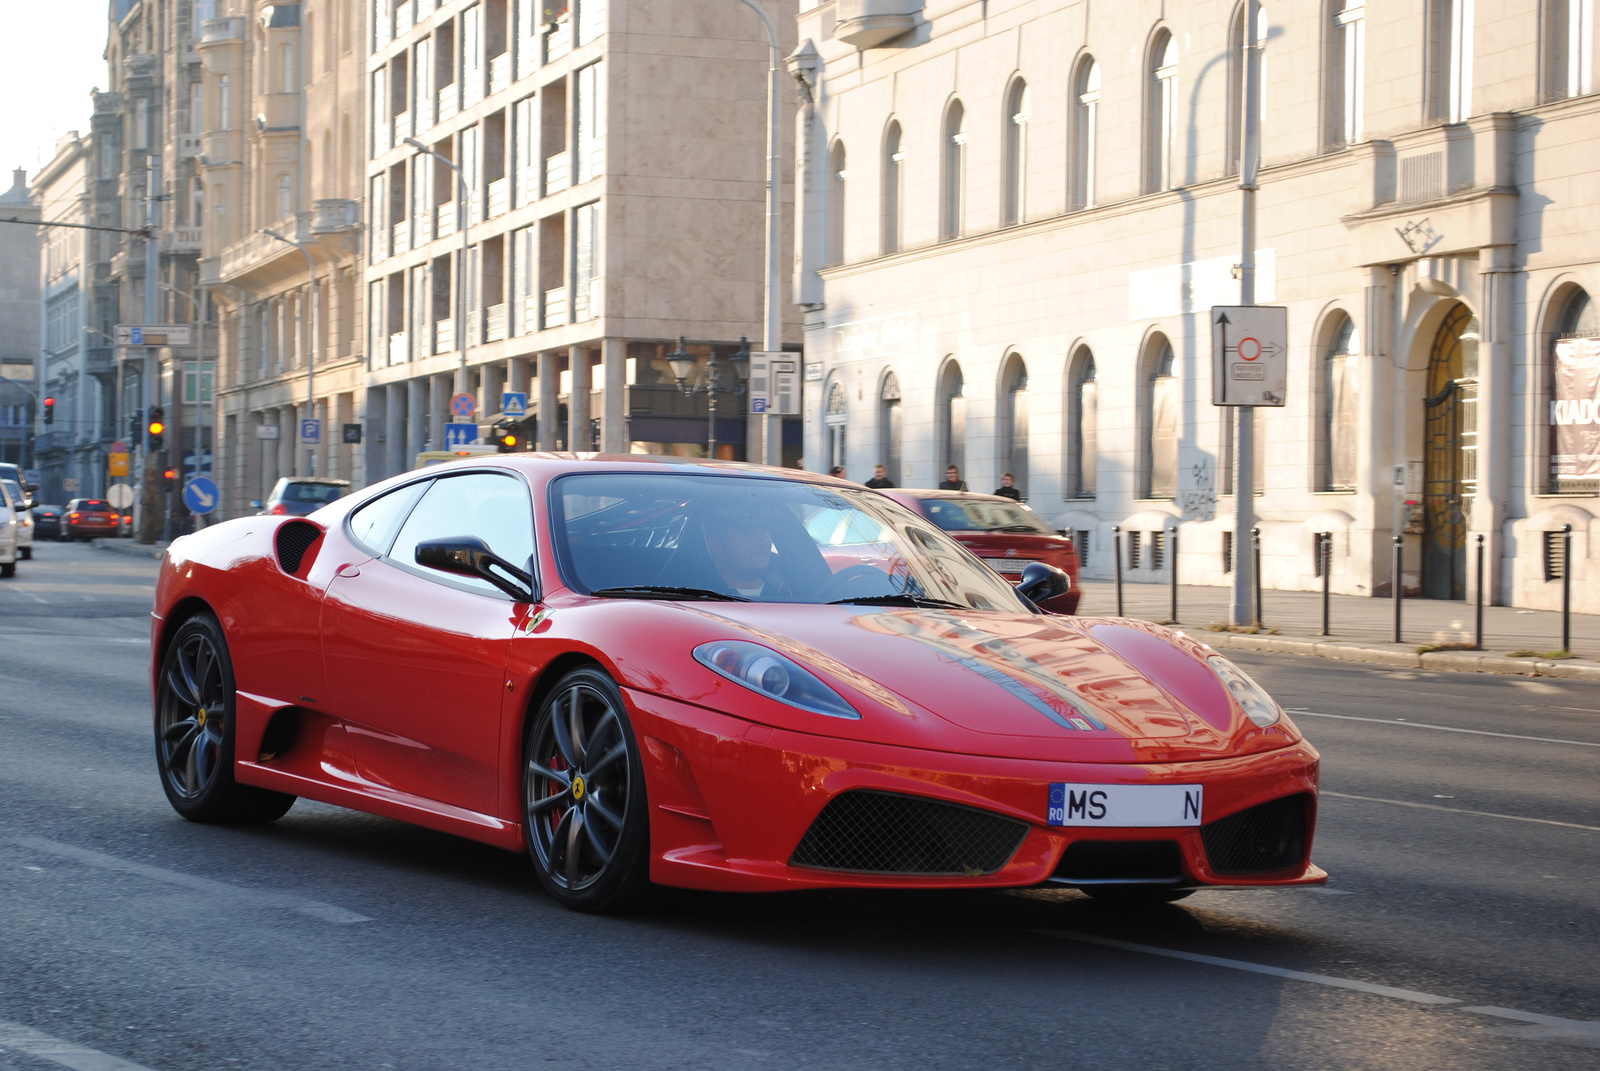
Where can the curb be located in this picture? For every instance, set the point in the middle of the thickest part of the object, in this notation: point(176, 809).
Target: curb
point(131, 549)
point(1390, 655)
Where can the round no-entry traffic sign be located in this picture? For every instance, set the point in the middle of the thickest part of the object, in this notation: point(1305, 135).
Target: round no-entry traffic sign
point(119, 495)
point(463, 406)
point(1249, 349)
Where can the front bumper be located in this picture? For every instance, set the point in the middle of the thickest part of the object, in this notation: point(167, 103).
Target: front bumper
point(730, 801)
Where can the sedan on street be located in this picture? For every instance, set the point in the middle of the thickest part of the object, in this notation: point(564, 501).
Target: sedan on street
point(25, 531)
point(47, 521)
point(89, 517)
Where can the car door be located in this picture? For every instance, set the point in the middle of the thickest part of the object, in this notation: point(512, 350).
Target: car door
point(416, 658)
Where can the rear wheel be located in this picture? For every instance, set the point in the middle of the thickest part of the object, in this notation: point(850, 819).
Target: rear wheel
point(8, 570)
point(195, 732)
point(584, 797)
point(25, 553)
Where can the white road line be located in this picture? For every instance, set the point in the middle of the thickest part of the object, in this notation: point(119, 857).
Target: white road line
point(1547, 1027)
point(1256, 968)
point(1443, 728)
point(1459, 810)
point(78, 1057)
point(260, 897)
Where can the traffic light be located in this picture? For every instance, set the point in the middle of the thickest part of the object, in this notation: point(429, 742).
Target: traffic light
point(171, 476)
point(135, 422)
point(49, 410)
point(507, 437)
point(156, 427)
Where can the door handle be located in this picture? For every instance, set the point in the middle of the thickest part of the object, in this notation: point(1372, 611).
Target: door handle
point(348, 571)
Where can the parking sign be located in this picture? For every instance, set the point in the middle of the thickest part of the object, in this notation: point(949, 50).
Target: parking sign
point(311, 431)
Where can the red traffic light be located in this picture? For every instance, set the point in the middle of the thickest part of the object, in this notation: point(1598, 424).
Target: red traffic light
point(171, 474)
point(49, 401)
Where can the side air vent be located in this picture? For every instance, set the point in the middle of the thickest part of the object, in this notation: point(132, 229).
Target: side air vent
point(1261, 840)
point(292, 542)
point(890, 833)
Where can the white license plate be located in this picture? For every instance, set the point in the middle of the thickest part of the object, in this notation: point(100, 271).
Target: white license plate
point(1009, 566)
point(1125, 805)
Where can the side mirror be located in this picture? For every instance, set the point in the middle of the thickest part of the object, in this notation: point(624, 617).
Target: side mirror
point(471, 556)
point(1041, 582)
point(255, 503)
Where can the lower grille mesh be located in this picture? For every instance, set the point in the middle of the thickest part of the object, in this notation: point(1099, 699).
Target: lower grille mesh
point(890, 833)
point(1265, 838)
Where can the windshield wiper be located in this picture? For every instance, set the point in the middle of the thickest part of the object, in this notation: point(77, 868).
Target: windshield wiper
point(900, 598)
point(662, 591)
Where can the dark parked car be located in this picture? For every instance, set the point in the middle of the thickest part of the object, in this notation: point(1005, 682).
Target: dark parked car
point(47, 521)
point(299, 495)
point(1007, 535)
point(90, 517)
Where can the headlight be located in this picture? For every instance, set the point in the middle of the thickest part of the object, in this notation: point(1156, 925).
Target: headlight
point(1258, 706)
point(766, 671)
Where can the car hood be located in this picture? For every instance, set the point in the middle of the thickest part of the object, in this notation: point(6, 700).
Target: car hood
point(1014, 685)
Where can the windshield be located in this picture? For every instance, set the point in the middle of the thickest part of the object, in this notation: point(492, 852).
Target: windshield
point(763, 540)
point(976, 515)
point(319, 493)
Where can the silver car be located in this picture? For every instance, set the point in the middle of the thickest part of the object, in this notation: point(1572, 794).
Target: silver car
point(10, 524)
point(24, 514)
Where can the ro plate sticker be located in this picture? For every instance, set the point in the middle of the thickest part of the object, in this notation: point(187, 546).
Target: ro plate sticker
point(1125, 806)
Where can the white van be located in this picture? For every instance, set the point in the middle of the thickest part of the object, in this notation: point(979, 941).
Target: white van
point(10, 526)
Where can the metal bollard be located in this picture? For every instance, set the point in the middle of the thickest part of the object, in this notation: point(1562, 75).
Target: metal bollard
point(1255, 551)
point(1397, 582)
point(1116, 540)
point(1173, 532)
point(1566, 587)
point(1325, 557)
point(1477, 635)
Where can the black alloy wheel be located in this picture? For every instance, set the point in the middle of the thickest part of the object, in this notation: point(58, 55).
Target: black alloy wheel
point(584, 796)
point(194, 722)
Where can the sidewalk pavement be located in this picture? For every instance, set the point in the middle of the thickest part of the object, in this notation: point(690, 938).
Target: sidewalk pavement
point(131, 548)
point(1362, 629)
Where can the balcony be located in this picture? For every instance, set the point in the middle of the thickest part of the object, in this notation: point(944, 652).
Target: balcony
point(399, 348)
point(555, 307)
point(190, 146)
point(869, 23)
point(499, 197)
point(181, 240)
point(382, 139)
point(380, 244)
point(444, 336)
point(558, 39)
point(424, 233)
point(188, 53)
point(249, 253)
point(329, 215)
point(585, 295)
point(444, 220)
point(401, 238)
point(446, 104)
point(530, 314)
point(557, 173)
point(402, 18)
point(402, 128)
point(471, 86)
point(499, 72)
point(495, 317)
point(424, 116)
point(222, 31)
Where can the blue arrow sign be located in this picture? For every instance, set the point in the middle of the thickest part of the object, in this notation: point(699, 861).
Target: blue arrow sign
point(514, 403)
point(459, 435)
point(200, 495)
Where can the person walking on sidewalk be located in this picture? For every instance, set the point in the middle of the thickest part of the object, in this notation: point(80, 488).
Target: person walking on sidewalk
point(1008, 488)
point(953, 480)
point(880, 478)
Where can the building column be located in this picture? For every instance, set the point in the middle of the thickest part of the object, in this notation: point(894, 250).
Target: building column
point(416, 417)
point(394, 431)
point(614, 402)
point(287, 446)
point(517, 375)
point(442, 387)
point(579, 434)
point(1495, 444)
point(491, 386)
point(251, 449)
point(549, 380)
point(375, 428)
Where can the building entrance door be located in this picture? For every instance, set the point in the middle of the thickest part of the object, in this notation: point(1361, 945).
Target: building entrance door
point(1450, 469)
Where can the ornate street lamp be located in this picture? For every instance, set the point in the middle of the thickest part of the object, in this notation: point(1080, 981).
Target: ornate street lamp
point(708, 382)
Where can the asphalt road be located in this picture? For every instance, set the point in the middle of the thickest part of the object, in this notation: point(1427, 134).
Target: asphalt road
point(1460, 929)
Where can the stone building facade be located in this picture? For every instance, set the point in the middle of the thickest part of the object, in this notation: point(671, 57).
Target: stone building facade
point(19, 321)
point(1019, 212)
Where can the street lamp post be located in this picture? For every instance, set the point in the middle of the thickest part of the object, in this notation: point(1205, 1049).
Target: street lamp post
point(772, 323)
point(461, 268)
point(311, 354)
point(682, 362)
point(200, 370)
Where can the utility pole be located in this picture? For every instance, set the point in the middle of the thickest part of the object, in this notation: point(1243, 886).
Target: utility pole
point(771, 443)
point(150, 515)
point(1242, 604)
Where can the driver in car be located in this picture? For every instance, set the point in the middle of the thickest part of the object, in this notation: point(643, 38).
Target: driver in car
point(740, 545)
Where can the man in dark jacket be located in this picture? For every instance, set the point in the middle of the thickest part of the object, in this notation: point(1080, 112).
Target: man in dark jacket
point(1008, 488)
point(880, 478)
point(953, 480)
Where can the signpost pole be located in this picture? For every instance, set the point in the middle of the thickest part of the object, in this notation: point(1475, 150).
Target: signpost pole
point(1244, 460)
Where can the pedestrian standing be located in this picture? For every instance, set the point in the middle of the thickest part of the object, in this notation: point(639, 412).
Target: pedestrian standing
point(1008, 488)
point(953, 480)
point(837, 471)
point(880, 478)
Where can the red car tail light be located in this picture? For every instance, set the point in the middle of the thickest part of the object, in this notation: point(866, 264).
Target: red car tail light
point(72, 516)
point(279, 510)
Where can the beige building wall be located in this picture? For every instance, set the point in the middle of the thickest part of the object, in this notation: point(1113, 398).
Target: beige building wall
point(1445, 181)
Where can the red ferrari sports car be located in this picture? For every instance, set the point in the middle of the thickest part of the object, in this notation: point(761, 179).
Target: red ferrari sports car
point(652, 670)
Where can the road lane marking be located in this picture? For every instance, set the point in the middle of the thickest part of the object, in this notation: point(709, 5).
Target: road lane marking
point(261, 897)
point(1443, 728)
point(78, 1057)
point(1548, 1027)
point(1256, 968)
point(1460, 810)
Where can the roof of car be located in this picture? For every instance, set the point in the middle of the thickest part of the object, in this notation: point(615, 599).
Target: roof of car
point(548, 461)
point(929, 492)
point(317, 479)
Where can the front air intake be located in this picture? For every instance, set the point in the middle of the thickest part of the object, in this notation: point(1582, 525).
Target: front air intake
point(890, 833)
point(1263, 839)
point(292, 542)
point(1091, 862)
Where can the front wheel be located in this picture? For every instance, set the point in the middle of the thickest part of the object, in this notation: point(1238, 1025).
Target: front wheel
point(584, 796)
point(195, 732)
point(25, 553)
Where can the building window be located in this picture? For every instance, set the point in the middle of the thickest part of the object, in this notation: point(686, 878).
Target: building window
point(585, 264)
point(1161, 112)
point(889, 426)
point(954, 192)
point(286, 69)
point(1339, 408)
point(1085, 120)
point(1579, 318)
point(836, 418)
point(197, 107)
point(1014, 210)
point(836, 180)
point(1014, 420)
point(197, 207)
point(1083, 436)
point(1343, 66)
point(953, 417)
point(223, 233)
point(1161, 403)
point(285, 196)
point(141, 123)
point(1566, 48)
point(893, 188)
point(589, 117)
point(224, 103)
point(1450, 60)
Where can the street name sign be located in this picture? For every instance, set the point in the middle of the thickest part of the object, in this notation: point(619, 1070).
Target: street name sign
point(266, 431)
point(1249, 354)
point(460, 434)
point(514, 403)
point(775, 384)
point(155, 334)
point(200, 495)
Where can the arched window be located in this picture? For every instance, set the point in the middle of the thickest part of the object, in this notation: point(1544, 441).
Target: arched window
point(952, 418)
point(836, 178)
point(1014, 420)
point(1345, 30)
point(1579, 318)
point(1083, 436)
point(954, 192)
point(1014, 210)
point(893, 188)
point(1085, 119)
point(1566, 65)
point(285, 196)
point(889, 426)
point(1161, 112)
point(836, 418)
point(1161, 403)
point(1339, 408)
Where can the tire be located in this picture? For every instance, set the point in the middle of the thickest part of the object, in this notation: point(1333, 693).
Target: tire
point(8, 570)
point(25, 553)
point(194, 731)
point(588, 833)
point(1134, 895)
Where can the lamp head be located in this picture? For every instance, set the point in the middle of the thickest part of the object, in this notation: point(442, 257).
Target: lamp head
point(682, 362)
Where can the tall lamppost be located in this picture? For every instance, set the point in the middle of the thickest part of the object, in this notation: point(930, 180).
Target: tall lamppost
point(311, 352)
point(772, 321)
point(708, 383)
point(461, 267)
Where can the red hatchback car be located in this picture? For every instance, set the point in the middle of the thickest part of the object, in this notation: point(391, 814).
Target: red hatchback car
point(86, 518)
point(1007, 535)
